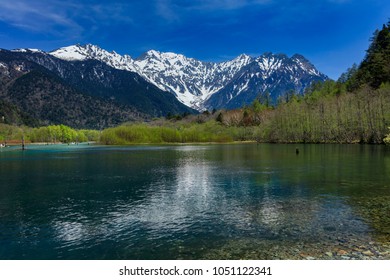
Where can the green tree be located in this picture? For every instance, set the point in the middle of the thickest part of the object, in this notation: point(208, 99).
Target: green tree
point(264, 98)
point(66, 134)
point(219, 117)
point(55, 133)
point(375, 68)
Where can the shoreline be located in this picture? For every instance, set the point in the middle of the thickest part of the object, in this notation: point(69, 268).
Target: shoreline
point(183, 144)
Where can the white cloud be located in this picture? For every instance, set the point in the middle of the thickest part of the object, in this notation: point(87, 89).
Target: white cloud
point(165, 9)
point(61, 18)
point(173, 10)
point(229, 4)
point(38, 17)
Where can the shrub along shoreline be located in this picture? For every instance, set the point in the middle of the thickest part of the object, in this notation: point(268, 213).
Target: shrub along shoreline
point(209, 132)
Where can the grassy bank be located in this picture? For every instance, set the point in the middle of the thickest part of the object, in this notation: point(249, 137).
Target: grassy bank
point(171, 132)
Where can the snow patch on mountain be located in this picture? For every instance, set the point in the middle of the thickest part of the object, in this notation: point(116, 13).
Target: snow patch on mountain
point(28, 50)
point(85, 52)
point(190, 80)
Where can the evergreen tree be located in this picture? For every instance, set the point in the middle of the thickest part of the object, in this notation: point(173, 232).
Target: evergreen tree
point(375, 68)
point(349, 78)
point(219, 118)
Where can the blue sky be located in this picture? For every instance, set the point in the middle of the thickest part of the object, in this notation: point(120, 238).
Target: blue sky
point(333, 34)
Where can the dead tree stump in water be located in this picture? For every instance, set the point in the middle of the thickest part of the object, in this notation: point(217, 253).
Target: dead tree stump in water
point(23, 145)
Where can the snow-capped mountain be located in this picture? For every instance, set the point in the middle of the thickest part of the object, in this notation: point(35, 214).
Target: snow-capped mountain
point(190, 80)
point(275, 74)
point(205, 85)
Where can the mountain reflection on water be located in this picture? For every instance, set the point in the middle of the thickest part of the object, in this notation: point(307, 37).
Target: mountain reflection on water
point(192, 202)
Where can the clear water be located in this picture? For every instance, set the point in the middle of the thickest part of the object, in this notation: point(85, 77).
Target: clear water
point(190, 202)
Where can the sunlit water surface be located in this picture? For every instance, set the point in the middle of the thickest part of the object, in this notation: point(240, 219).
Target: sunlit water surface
point(191, 202)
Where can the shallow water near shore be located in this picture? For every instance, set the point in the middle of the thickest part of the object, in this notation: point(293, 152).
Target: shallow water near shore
point(242, 201)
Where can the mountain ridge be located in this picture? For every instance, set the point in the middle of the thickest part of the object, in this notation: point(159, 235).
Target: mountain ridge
point(193, 82)
point(270, 74)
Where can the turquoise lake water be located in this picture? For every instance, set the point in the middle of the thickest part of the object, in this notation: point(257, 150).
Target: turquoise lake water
point(191, 202)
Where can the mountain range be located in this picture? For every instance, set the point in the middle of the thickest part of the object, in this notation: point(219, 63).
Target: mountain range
point(154, 84)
